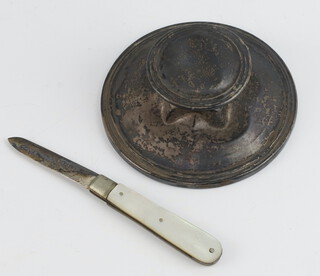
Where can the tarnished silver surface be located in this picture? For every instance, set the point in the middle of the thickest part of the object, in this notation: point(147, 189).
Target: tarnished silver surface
point(54, 161)
point(199, 104)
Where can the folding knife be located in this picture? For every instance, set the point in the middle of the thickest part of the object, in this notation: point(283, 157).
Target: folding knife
point(183, 235)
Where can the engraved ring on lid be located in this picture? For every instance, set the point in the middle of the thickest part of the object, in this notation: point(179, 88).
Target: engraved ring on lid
point(199, 104)
point(199, 68)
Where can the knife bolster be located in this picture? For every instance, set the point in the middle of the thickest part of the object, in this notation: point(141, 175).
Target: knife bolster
point(101, 187)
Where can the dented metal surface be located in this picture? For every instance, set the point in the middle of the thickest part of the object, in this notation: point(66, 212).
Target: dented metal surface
point(199, 104)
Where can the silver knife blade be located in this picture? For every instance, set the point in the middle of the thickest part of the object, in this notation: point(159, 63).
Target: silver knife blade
point(54, 161)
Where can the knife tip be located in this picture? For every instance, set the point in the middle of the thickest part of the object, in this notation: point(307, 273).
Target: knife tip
point(11, 140)
point(14, 140)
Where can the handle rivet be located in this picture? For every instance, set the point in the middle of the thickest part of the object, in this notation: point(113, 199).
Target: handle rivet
point(161, 219)
point(121, 193)
point(211, 250)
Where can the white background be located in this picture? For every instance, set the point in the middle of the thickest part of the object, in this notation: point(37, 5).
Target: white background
point(54, 56)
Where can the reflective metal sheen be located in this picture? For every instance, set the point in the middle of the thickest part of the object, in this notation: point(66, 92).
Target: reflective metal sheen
point(199, 104)
point(54, 161)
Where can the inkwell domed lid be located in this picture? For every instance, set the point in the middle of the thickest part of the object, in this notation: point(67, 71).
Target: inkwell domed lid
point(198, 104)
